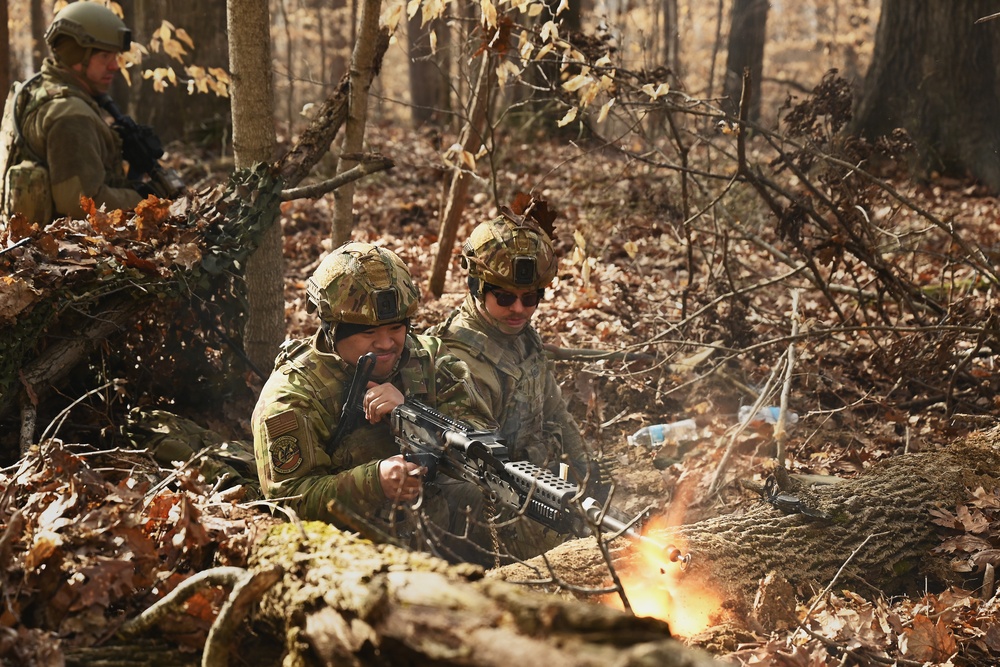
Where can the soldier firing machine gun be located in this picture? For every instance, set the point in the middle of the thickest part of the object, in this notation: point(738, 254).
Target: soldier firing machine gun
point(142, 149)
point(446, 446)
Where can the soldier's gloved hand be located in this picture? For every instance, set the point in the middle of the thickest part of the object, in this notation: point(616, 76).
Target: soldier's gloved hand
point(145, 189)
point(401, 480)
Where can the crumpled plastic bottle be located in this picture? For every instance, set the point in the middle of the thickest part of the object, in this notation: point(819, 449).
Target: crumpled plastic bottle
point(768, 415)
point(657, 434)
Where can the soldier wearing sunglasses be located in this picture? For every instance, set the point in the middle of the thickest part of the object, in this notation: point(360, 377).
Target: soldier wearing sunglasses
point(510, 261)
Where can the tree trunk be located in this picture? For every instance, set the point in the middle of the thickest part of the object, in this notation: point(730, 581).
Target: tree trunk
point(747, 32)
point(39, 49)
point(362, 73)
point(254, 141)
point(455, 204)
point(672, 38)
point(206, 116)
point(5, 78)
point(345, 601)
point(933, 73)
point(878, 527)
point(429, 70)
point(290, 75)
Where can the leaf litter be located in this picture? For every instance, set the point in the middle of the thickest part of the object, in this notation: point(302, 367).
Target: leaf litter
point(93, 535)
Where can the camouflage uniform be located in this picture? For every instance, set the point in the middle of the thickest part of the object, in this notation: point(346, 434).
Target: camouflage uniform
point(300, 405)
point(514, 378)
point(172, 439)
point(64, 129)
point(298, 412)
point(510, 372)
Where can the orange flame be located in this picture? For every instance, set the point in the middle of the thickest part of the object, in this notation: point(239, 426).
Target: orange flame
point(656, 586)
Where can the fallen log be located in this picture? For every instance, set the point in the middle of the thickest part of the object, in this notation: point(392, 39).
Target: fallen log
point(875, 534)
point(345, 601)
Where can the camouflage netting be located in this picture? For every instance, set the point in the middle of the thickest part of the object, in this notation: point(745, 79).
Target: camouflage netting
point(182, 260)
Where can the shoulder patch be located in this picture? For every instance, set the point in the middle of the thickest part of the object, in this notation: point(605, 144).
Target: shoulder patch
point(280, 424)
point(286, 456)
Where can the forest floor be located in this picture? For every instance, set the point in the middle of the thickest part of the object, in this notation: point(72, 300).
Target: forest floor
point(624, 285)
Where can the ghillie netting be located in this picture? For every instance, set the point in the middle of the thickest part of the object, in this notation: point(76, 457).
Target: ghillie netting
point(72, 285)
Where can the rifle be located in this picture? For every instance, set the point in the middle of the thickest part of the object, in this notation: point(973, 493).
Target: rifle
point(142, 149)
point(353, 409)
point(447, 446)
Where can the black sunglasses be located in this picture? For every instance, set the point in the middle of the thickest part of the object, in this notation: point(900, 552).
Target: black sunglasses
point(529, 300)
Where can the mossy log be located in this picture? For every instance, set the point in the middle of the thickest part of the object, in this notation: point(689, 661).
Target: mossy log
point(876, 534)
point(343, 600)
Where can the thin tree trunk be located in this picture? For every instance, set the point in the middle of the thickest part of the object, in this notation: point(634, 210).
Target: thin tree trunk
point(428, 70)
point(323, 48)
point(39, 49)
point(361, 76)
point(672, 37)
point(716, 45)
point(254, 141)
point(455, 204)
point(5, 79)
point(747, 34)
point(289, 70)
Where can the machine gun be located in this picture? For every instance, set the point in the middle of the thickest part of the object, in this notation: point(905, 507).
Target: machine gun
point(453, 448)
point(142, 149)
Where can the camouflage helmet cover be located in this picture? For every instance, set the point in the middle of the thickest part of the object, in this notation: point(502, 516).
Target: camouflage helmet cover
point(91, 25)
point(360, 283)
point(510, 252)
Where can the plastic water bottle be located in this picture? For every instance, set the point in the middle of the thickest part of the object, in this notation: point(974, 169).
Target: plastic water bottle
point(657, 434)
point(768, 415)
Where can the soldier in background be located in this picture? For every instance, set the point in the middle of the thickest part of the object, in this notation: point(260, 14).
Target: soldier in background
point(364, 297)
point(62, 148)
point(510, 261)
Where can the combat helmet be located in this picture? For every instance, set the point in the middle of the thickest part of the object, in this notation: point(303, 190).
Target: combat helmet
point(91, 25)
point(360, 283)
point(511, 252)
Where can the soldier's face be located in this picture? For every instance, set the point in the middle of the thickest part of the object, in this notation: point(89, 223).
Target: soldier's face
point(385, 342)
point(514, 318)
point(100, 71)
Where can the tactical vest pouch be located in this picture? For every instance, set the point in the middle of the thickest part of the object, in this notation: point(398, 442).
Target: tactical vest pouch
point(27, 191)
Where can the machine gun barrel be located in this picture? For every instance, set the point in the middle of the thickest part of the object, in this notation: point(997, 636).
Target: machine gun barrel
point(616, 527)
